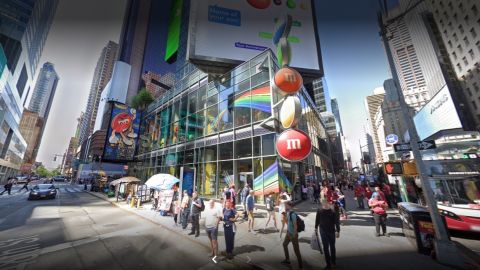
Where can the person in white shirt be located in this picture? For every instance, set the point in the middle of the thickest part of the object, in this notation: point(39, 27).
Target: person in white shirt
point(212, 216)
point(284, 198)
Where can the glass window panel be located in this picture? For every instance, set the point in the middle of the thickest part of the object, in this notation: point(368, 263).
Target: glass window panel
point(211, 120)
point(192, 102)
point(242, 108)
point(200, 123)
point(159, 161)
point(228, 93)
point(180, 156)
point(171, 159)
point(174, 133)
point(257, 146)
point(184, 107)
point(202, 97)
point(164, 134)
point(211, 153)
point(243, 148)
point(268, 144)
point(242, 86)
point(260, 78)
point(225, 175)
point(210, 180)
point(182, 132)
point(189, 156)
point(225, 115)
point(225, 151)
point(192, 127)
point(212, 96)
point(199, 155)
point(175, 109)
point(261, 103)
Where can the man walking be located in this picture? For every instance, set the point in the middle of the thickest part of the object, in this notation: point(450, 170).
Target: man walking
point(185, 208)
point(243, 197)
point(195, 209)
point(25, 186)
point(359, 195)
point(292, 235)
point(329, 222)
point(212, 217)
point(8, 186)
point(250, 203)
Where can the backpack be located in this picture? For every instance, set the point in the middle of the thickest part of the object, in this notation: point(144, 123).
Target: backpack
point(203, 205)
point(300, 223)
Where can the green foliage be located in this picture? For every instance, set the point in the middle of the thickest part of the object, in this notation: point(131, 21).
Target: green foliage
point(142, 99)
point(43, 172)
point(56, 172)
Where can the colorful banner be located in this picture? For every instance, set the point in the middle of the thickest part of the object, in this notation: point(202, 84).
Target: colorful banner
point(122, 134)
point(272, 180)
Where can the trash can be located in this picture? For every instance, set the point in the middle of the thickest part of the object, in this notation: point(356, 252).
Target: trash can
point(417, 226)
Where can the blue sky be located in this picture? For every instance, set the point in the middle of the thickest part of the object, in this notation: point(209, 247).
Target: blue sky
point(353, 59)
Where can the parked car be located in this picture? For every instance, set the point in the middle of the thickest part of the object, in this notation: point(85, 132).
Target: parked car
point(43, 191)
point(21, 179)
point(59, 178)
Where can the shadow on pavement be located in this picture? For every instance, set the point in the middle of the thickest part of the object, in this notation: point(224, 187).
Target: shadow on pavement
point(247, 249)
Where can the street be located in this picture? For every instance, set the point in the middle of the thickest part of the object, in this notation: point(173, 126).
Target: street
point(81, 231)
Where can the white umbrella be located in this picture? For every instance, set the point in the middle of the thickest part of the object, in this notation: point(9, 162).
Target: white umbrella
point(162, 181)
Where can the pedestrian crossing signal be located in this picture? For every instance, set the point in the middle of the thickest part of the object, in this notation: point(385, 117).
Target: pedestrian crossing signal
point(393, 168)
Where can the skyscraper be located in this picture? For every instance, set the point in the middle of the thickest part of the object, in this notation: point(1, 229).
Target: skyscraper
point(44, 92)
point(101, 76)
point(373, 106)
point(336, 113)
point(31, 127)
point(318, 90)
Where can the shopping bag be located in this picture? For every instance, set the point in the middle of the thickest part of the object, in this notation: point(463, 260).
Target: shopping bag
point(315, 242)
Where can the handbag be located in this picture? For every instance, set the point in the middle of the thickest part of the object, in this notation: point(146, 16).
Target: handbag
point(315, 242)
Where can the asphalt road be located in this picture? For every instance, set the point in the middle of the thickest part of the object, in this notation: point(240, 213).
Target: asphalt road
point(79, 231)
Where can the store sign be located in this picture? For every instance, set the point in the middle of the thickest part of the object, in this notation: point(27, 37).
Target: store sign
point(288, 80)
point(235, 31)
point(294, 145)
point(391, 139)
point(438, 114)
point(460, 167)
point(290, 111)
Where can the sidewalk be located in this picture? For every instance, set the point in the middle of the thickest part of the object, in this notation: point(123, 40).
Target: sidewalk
point(357, 247)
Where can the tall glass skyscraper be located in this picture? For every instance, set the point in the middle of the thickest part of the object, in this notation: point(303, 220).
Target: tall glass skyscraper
point(44, 91)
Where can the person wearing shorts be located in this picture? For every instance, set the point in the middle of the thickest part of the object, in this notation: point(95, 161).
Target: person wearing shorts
point(212, 216)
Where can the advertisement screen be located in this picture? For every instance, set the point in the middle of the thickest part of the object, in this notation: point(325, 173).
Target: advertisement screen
point(234, 31)
point(122, 134)
point(438, 114)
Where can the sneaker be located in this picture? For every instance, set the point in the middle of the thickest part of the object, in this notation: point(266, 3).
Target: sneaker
point(285, 261)
point(192, 233)
point(377, 235)
point(197, 235)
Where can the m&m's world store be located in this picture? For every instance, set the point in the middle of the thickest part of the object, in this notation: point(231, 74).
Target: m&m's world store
point(211, 132)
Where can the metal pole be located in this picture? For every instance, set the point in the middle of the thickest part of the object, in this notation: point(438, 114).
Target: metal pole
point(446, 251)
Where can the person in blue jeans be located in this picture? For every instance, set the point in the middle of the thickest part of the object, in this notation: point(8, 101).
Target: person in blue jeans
point(229, 218)
point(250, 204)
point(328, 221)
point(291, 236)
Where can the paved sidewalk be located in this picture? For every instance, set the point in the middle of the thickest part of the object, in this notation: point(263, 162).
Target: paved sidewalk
point(357, 247)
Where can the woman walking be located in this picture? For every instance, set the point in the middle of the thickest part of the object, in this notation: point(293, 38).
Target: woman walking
point(229, 218)
point(270, 205)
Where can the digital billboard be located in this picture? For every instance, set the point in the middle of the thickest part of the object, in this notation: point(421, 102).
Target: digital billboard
point(235, 31)
point(438, 114)
point(174, 23)
point(122, 134)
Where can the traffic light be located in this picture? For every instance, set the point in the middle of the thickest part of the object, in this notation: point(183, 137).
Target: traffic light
point(393, 168)
point(409, 168)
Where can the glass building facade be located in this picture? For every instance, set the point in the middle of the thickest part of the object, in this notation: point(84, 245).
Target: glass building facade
point(212, 126)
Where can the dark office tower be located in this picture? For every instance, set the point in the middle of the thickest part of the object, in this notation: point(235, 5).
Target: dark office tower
point(133, 41)
point(101, 76)
point(336, 113)
point(44, 92)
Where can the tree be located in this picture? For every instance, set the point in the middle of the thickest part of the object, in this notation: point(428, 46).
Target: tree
point(56, 172)
point(42, 171)
point(142, 99)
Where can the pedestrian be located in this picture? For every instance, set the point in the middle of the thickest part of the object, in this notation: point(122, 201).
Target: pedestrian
point(283, 199)
point(25, 186)
point(212, 217)
point(250, 203)
point(185, 208)
point(368, 192)
point(233, 195)
point(388, 195)
point(7, 187)
point(359, 196)
point(327, 220)
point(316, 193)
point(176, 207)
point(379, 208)
point(341, 203)
point(304, 192)
point(379, 192)
point(229, 218)
point(291, 236)
point(195, 209)
point(243, 197)
point(310, 193)
point(270, 206)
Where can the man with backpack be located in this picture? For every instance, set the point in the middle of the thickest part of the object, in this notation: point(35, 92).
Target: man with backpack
point(329, 222)
point(196, 208)
point(294, 225)
point(270, 205)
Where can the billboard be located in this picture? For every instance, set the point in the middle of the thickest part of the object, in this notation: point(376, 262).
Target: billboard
point(236, 31)
point(122, 134)
point(438, 114)
point(174, 24)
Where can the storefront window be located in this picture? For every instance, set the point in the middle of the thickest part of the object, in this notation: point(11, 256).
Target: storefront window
point(268, 144)
point(243, 148)
point(184, 107)
point(209, 187)
point(199, 155)
point(260, 78)
point(225, 115)
point(164, 132)
point(180, 158)
point(189, 156)
point(175, 112)
point(174, 133)
point(212, 96)
point(225, 151)
point(192, 102)
point(226, 94)
point(202, 97)
point(211, 153)
point(242, 86)
point(244, 173)
point(171, 159)
point(211, 120)
point(242, 107)
point(192, 127)
point(182, 133)
point(200, 123)
point(225, 172)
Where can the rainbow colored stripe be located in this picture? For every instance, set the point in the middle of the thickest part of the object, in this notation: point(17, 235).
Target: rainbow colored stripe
point(271, 180)
point(257, 99)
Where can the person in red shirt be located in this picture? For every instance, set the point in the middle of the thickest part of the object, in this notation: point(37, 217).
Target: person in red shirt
point(388, 194)
point(379, 208)
point(368, 192)
point(328, 194)
point(360, 195)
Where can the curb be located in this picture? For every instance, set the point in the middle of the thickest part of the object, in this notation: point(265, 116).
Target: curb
point(472, 257)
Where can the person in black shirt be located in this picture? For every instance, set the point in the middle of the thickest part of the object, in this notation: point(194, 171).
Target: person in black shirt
point(329, 222)
point(195, 209)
